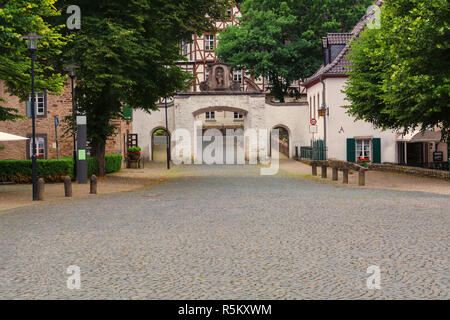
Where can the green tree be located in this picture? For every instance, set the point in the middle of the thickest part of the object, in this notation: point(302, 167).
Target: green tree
point(281, 40)
point(19, 18)
point(126, 51)
point(400, 73)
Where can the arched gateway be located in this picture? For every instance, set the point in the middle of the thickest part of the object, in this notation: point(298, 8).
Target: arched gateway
point(222, 106)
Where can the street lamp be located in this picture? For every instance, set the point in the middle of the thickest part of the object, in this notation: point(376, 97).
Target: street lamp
point(71, 68)
point(167, 136)
point(33, 38)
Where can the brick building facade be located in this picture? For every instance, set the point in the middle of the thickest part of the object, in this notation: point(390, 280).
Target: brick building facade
point(48, 107)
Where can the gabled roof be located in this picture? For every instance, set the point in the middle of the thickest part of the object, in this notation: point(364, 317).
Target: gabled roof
point(339, 66)
point(338, 38)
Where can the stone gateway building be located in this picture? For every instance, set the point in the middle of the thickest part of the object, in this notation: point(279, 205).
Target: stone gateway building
point(223, 104)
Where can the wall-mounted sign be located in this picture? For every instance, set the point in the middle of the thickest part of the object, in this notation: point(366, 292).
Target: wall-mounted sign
point(313, 129)
point(438, 156)
point(313, 122)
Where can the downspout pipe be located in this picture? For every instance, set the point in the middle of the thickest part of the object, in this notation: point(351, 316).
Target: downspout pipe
point(324, 106)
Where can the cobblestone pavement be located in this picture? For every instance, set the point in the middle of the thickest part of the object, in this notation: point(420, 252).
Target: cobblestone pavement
point(228, 233)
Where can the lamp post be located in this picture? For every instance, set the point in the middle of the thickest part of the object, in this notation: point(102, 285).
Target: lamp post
point(32, 38)
point(167, 136)
point(323, 112)
point(71, 68)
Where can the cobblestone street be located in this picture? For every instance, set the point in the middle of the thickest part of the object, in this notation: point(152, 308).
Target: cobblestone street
point(225, 232)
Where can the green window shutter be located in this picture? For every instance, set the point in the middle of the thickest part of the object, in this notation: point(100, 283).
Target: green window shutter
point(127, 113)
point(351, 152)
point(376, 145)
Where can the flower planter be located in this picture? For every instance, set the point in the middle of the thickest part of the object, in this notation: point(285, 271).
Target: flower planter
point(134, 155)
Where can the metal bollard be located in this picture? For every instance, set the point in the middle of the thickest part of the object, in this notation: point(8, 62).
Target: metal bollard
point(93, 184)
point(335, 173)
point(67, 186)
point(362, 177)
point(324, 171)
point(40, 189)
point(345, 179)
point(314, 169)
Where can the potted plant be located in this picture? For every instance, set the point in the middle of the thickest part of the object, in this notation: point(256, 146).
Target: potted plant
point(134, 153)
point(363, 161)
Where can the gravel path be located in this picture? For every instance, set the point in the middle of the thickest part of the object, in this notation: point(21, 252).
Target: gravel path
point(224, 232)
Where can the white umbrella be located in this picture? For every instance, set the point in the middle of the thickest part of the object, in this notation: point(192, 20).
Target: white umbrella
point(10, 137)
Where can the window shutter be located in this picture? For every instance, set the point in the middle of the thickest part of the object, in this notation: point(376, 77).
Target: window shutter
point(376, 145)
point(45, 102)
point(351, 152)
point(127, 113)
point(28, 109)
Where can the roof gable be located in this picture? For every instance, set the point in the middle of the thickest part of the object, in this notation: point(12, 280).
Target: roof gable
point(340, 64)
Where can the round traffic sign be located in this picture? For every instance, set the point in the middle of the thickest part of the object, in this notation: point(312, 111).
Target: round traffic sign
point(313, 122)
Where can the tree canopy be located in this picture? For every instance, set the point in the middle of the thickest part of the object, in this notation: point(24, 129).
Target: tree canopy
point(18, 18)
point(400, 73)
point(281, 40)
point(127, 53)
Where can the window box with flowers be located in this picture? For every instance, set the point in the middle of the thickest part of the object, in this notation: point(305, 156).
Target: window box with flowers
point(363, 161)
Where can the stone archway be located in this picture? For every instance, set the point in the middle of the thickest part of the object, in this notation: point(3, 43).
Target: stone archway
point(158, 144)
point(284, 142)
point(224, 123)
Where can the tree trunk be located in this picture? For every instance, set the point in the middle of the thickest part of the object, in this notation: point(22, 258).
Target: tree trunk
point(277, 89)
point(100, 150)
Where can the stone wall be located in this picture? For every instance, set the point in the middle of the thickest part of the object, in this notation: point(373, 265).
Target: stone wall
point(421, 172)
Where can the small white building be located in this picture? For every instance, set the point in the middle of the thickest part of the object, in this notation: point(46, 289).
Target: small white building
point(350, 140)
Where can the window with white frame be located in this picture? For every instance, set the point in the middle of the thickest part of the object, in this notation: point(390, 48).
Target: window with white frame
point(40, 147)
point(40, 103)
point(209, 42)
point(237, 75)
point(363, 149)
point(238, 115)
point(206, 73)
point(210, 115)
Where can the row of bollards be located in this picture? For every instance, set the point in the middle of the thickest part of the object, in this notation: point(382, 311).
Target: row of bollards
point(67, 187)
point(335, 173)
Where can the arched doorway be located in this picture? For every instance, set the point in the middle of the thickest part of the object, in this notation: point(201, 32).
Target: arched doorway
point(159, 144)
point(283, 141)
point(228, 125)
